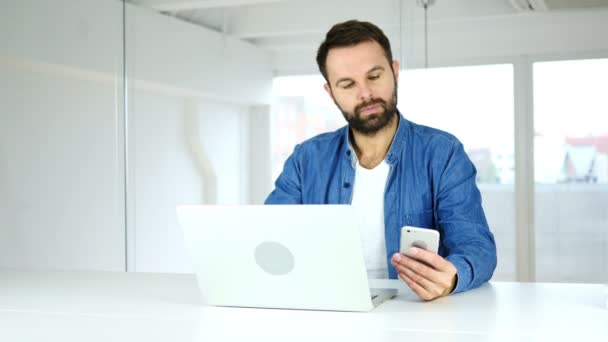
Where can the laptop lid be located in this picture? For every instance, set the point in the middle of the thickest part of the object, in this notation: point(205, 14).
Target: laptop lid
point(277, 256)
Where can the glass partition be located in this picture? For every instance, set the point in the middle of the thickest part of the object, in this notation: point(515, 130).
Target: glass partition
point(61, 119)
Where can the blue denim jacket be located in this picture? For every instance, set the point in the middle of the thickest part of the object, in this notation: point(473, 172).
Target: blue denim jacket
point(431, 184)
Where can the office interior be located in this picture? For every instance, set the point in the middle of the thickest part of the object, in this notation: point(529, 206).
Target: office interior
point(112, 113)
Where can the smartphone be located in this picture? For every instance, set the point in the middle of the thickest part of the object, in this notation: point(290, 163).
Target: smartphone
point(427, 239)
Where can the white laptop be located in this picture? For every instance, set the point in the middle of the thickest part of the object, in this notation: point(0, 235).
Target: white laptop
point(279, 256)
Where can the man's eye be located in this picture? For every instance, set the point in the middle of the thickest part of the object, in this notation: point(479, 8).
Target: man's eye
point(374, 77)
point(350, 85)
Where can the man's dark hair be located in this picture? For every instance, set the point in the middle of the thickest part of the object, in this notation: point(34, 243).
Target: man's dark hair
point(350, 33)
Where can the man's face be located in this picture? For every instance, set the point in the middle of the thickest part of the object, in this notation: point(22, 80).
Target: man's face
point(362, 84)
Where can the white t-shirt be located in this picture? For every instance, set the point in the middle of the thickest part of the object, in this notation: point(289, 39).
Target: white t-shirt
point(368, 200)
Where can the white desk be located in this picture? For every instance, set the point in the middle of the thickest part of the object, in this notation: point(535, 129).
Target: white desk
point(82, 306)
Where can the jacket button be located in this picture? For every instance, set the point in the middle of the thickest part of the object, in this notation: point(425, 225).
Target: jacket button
point(348, 152)
point(346, 185)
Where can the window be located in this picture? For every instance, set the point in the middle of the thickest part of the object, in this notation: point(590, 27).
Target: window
point(571, 170)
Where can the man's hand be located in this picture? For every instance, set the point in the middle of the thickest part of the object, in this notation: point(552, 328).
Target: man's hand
point(426, 273)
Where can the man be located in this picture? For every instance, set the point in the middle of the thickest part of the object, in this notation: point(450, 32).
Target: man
point(394, 171)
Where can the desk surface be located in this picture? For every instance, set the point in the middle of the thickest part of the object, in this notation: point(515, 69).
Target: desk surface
point(100, 306)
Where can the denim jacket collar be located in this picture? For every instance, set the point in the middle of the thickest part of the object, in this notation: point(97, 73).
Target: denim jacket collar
point(393, 152)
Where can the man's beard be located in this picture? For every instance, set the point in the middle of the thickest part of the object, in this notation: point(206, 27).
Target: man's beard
point(372, 123)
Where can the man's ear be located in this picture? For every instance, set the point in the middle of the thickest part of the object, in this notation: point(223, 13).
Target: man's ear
point(396, 69)
point(328, 90)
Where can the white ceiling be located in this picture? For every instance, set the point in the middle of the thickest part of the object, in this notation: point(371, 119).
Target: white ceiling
point(289, 28)
point(272, 23)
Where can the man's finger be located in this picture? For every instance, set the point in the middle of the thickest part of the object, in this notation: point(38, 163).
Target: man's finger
point(427, 257)
point(420, 291)
point(431, 287)
point(404, 262)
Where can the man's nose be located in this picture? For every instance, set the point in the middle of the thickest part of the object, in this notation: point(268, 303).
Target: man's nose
point(365, 93)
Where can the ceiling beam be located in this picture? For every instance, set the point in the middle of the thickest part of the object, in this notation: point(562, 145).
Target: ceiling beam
point(184, 5)
point(315, 17)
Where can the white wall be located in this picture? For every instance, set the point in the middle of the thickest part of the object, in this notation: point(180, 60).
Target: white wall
point(166, 174)
point(61, 130)
point(190, 82)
